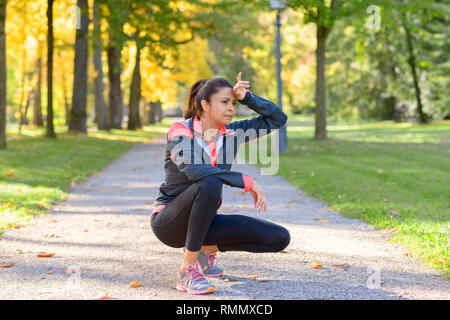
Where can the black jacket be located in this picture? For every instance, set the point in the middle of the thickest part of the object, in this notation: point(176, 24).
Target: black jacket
point(189, 158)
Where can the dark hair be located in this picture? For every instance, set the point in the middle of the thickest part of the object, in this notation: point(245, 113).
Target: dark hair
point(203, 90)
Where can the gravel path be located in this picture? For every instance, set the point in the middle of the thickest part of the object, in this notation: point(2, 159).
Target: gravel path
point(103, 233)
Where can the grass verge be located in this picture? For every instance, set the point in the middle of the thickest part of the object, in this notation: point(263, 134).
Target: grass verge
point(393, 176)
point(36, 171)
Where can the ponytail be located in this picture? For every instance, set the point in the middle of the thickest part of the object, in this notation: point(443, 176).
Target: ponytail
point(194, 107)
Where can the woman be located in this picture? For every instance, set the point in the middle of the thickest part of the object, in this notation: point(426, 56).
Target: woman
point(185, 213)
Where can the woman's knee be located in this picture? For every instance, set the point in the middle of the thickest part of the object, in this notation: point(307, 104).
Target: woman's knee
point(210, 185)
point(279, 239)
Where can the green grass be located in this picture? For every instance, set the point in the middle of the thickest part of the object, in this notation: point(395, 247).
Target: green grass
point(36, 171)
point(391, 175)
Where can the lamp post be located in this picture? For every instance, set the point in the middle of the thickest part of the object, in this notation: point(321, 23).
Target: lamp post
point(279, 5)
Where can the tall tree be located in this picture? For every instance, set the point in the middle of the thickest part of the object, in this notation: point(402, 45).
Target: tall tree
point(37, 104)
point(2, 74)
point(100, 104)
point(134, 120)
point(117, 15)
point(158, 27)
point(412, 61)
point(78, 114)
point(50, 131)
point(323, 16)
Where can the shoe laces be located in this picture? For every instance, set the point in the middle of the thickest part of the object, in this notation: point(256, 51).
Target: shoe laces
point(212, 260)
point(194, 273)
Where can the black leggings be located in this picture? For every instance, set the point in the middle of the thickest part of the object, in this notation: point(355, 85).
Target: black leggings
point(191, 220)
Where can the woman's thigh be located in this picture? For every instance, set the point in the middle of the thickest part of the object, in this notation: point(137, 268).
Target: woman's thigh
point(170, 224)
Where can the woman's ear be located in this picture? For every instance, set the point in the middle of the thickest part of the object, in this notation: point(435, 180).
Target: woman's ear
point(205, 105)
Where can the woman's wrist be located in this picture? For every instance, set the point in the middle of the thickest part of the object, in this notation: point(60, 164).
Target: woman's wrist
point(248, 182)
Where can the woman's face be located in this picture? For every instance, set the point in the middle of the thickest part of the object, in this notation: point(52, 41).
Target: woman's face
point(220, 110)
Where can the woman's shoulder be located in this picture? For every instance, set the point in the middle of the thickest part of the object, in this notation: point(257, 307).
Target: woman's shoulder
point(180, 128)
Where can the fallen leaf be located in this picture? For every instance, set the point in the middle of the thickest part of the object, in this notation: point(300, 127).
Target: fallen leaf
point(19, 251)
point(263, 280)
point(395, 211)
point(283, 251)
point(315, 264)
point(45, 255)
point(386, 200)
point(228, 280)
point(149, 202)
point(342, 266)
point(49, 272)
point(10, 264)
point(291, 201)
point(252, 276)
point(52, 220)
point(9, 173)
point(68, 271)
point(85, 230)
point(388, 230)
point(135, 284)
point(103, 297)
point(241, 192)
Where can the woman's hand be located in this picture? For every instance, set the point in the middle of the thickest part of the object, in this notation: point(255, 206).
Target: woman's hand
point(259, 196)
point(239, 90)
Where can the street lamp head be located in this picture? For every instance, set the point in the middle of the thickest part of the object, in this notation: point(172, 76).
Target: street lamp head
point(278, 4)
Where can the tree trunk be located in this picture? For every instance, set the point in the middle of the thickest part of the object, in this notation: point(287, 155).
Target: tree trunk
point(412, 63)
point(321, 124)
point(78, 114)
point(2, 74)
point(23, 119)
point(152, 113)
point(159, 112)
point(100, 104)
point(155, 113)
point(37, 104)
point(115, 92)
point(65, 98)
point(134, 121)
point(50, 132)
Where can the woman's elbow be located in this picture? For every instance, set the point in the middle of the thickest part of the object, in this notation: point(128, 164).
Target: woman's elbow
point(281, 120)
point(285, 118)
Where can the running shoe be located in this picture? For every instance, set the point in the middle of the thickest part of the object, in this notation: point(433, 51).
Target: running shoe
point(208, 264)
point(191, 280)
